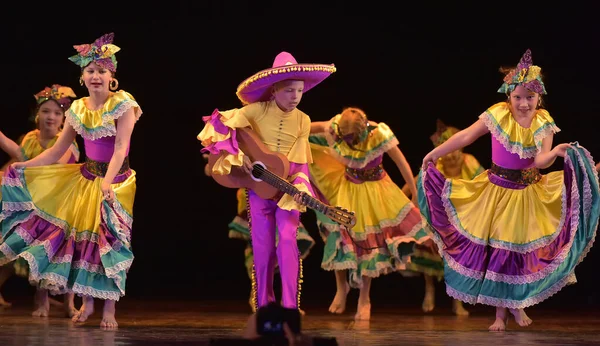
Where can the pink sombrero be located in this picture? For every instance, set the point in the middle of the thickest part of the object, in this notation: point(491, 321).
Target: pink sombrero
point(256, 87)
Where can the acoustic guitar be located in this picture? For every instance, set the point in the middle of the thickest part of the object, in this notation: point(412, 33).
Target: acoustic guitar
point(266, 178)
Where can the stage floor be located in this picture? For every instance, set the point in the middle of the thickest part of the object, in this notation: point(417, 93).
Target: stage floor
point(151, 323)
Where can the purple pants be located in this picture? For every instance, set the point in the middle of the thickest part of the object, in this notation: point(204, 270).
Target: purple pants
point(265, 218)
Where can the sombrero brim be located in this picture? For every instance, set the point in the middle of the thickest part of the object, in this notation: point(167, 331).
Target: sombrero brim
point(256, 87)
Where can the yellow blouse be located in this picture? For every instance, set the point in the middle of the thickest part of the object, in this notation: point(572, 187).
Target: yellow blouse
point(469, 169)
point(31, 146)
point(282, 132)
point(380, 140)
point(526, 142)
point(101, 123)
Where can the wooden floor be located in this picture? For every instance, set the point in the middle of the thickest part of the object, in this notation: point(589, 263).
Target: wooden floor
point(196, 323)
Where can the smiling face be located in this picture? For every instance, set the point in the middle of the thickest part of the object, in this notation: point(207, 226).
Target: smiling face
point(523, 102)
point(96, 78)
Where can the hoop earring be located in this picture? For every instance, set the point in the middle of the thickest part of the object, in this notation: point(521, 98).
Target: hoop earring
point(114, 84)
point(81, 81)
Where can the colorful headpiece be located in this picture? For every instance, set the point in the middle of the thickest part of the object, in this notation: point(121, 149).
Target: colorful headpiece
point(102, 52)
point(256, 87)
point(61, 94)
point(525, 74)
point(443, 133)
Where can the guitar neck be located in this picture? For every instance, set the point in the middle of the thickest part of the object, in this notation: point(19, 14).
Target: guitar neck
point(286, 187)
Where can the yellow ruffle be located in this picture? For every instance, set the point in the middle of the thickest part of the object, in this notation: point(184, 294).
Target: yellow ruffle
point(31, 147)
point(62, 192)
point(477, 202)
point(526, 142)
point(101, 123)
point(469, 169)
point(240, 118)
point(233, 119)
point(373, 202)
point(225, 161)
point(287, 202)
point(379, 141)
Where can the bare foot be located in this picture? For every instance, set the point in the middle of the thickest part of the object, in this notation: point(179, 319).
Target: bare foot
point(87, 308)
point(521, 317)
point(363, 311)
point(108, 315)
point(42, 303)
point(499, 324)
point(338, 306)
point(428, 301)
point(458, 308)
point(4, 303)
point(68, 305)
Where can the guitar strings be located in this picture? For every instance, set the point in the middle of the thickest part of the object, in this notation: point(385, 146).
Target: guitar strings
point(278, 180)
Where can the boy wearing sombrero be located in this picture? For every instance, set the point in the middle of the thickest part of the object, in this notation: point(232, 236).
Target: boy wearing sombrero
point(270, 98)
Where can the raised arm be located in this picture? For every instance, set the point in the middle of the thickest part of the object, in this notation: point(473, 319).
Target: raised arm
point(548, 155)
point(54, 153)
point(458, 141)
point(318, 126)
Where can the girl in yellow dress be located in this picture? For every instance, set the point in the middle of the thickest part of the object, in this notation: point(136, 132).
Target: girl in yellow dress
point(347, 171)
point(426, 259)
point(72, 223)
point(49, 118)
point(512, 237)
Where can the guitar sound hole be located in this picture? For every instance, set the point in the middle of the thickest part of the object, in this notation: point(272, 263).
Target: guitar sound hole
point(258, 170)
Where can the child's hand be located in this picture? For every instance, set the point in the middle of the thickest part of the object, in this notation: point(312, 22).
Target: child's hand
point(247, 165)
point(561, 149)
point(431, 157)
point(299, 198)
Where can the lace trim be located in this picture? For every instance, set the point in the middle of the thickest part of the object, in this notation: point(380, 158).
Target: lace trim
point(521, 304)
point(354, 163)
point(462, 270)
point(334, 227)
point(56, 283)
point(556, 287)
point(559, 259)
point(517, 148)
point(107, 129)
point(25, 206)
point(12, 182)
point(8, 253)
point(499, 244)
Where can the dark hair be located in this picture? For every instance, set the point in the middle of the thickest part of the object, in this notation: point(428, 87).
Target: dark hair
point(34, 116)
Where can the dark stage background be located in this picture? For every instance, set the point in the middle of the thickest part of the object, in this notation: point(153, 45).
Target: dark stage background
point(406, 67)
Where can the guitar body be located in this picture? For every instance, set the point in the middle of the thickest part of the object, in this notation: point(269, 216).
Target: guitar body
point(259, 153)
